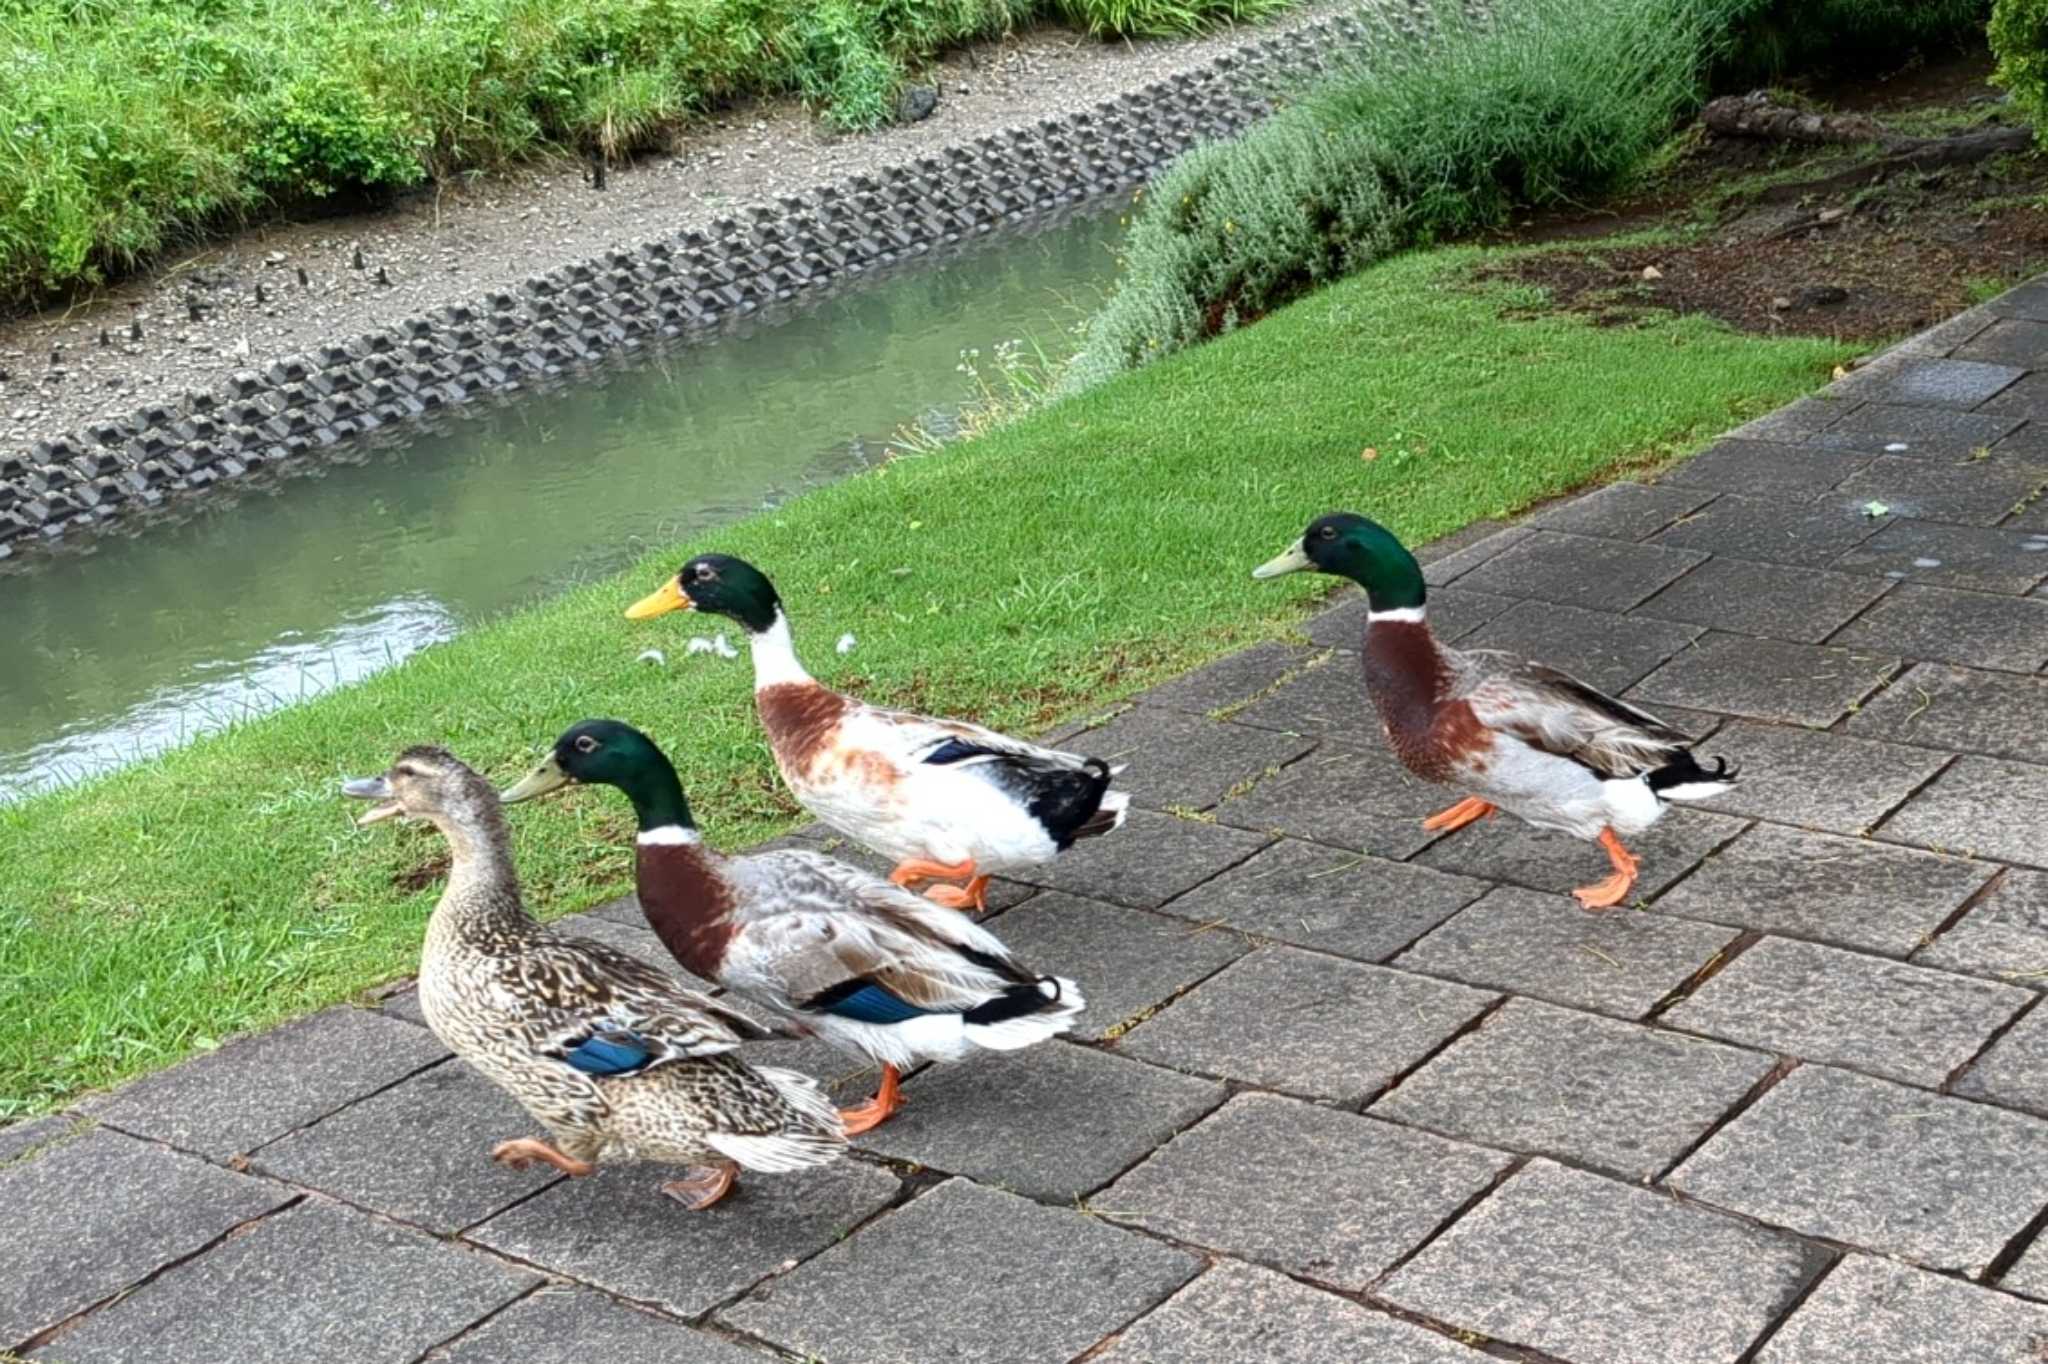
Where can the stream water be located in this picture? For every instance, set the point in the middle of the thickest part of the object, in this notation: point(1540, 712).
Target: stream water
point(147, 642)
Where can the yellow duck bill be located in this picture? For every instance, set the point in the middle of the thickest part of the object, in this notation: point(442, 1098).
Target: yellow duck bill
point(1293, 560)
point(664, 599)
point(547, 777)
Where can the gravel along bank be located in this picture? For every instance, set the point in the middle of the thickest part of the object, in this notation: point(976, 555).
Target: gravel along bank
point(267, 353)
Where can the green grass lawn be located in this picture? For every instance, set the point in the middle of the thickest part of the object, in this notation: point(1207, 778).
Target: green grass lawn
point(1043, 571)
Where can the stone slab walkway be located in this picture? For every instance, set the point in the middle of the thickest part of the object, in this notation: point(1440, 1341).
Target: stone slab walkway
point(1345, 1091)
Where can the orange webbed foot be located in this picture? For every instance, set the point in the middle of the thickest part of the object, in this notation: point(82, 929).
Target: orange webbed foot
point(1458, 816)
point(874, 1112)
point(1612, 891)
point(703, 1186)
point(914, 869)
point(972, 897)
point(524, 1151)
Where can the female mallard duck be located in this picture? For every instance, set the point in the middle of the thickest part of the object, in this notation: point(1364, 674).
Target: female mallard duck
point(1524, 737)
point(945, 800)
point(866, 965)
point(609, 1054)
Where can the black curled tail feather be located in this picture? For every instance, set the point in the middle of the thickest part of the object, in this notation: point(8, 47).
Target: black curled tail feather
point(1684, 769)
point(1016, 1001)
point(1068, 803)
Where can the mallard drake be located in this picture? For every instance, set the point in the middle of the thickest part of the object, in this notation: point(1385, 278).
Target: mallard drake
point(944, 799)
point(862, 963)
point(1526, 738)
point(610, 1055)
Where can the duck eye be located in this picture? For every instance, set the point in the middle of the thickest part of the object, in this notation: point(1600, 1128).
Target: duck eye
point(705, 573)
point(1329, 532)
point(585, 744)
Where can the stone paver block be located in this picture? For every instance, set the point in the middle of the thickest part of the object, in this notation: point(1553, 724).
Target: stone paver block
point(1453, 614)
point(257, 1088)
point(1578, 570)
point(1228, 681)
point(24, 1138)
point(1947, 338)
point(2029, 300)
point(1349, 795)
point(312, 1285)
point(1926, 433)
point(1619, 962)
point(1796, 420)
point(2030, 1274)
point(1978, 493)
point(2009, 342)
point(576, 1326)
point(419, 1151)
point(1047, 1283)
point(1598, 647)
point(1817, 779)
point(1767, 469)
point(1051, 1123)
point(615, 1230)
point(1776, 530)
point(1503, 848)
point(2013, 1073)
point(1839, 890)
point(1824, 1004)
point(1239, 1313)
point(1175, 759)
point(1934, 704)
point(1313, 896)
point(1614, 1096)
point(1976, 629)
point(1306, 1023)
point(403, 1002)
point(1772, 600)
point(2005, 934)
point(2028, 398)
point(1980, 807)
point(1350, 1196)
point(1127, 962)
point(1601, 1273)
point(1767, 679)
point(1918, 382)
point(1872, 1309)
point(97, 1214)
point(1929, 552)
point(1149, 861)
point(1944, 1182)
point(1328, 699)
point(1623, 511)
point(1439, 570)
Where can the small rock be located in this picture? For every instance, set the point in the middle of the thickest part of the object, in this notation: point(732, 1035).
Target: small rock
point(916, 103)
point(1652, 272)
point(274, 258)
point(1780, 303)
point(1820, 296)
point(1831, 215)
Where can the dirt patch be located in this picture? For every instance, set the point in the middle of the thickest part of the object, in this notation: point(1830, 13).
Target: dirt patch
point(420, 875)
point(1787, 240)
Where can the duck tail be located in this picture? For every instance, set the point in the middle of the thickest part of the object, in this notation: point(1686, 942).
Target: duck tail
point(811, 1131)
point(1684, 779)
point(1110, 808)
point(1020, 1015)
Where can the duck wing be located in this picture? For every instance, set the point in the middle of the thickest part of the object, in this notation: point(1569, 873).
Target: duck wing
point(1557, 713)
point(1066, 792)
point(604, 1012)
point(822, 936)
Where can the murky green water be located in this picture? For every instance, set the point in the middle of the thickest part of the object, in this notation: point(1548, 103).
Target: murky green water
point(147, 642)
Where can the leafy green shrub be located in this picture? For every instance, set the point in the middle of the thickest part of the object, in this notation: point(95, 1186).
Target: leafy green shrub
point(2019, 39)
point(124, 123)
point(320, 134)
point(1427, 135)
point(1770, 38)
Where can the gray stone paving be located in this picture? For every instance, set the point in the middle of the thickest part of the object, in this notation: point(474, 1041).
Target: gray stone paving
point(1345, 1089)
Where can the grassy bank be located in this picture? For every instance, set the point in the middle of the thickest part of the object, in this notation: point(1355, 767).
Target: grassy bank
point(1044, 570)
point(126, 122)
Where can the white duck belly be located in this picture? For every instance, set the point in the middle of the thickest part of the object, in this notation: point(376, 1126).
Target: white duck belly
point(1552, 792)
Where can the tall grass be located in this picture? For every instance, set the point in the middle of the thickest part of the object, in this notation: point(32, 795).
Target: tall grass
point(1434, 134)
point(126, 123)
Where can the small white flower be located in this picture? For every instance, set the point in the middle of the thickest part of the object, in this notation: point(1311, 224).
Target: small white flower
point(723, 647)
point(846, 642)
point(701, 645)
